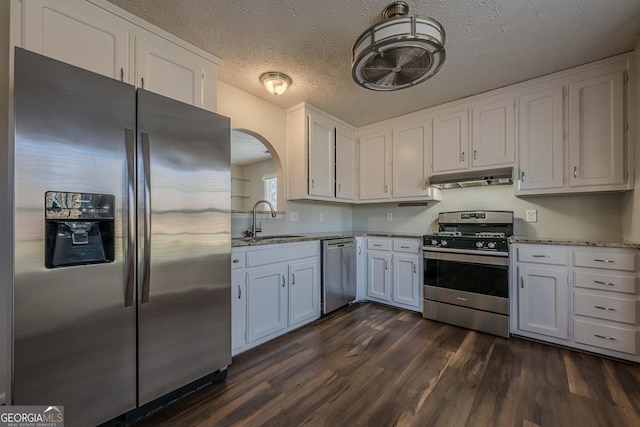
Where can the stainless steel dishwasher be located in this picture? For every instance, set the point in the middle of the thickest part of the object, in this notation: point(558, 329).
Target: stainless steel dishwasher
point(338, 273)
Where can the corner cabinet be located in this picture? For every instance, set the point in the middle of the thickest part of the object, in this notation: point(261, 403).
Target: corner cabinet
point(573, 133)
point(478, 136)
point(394, 271)
point(275, 289)
point(395, 163)
point(577, 296)
point(104, 39)
point(322, 156)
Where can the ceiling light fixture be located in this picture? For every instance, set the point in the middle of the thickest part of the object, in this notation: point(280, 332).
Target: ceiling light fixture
point(275, 83)
point(399, 52)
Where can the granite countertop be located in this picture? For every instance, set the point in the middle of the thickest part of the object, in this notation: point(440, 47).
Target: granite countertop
point(303, 237)
point(572, 242)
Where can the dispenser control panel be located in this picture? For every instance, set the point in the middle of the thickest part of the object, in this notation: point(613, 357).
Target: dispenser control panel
point(63, 205)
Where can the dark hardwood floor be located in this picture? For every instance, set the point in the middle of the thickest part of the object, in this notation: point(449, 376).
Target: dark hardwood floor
point(370, 365)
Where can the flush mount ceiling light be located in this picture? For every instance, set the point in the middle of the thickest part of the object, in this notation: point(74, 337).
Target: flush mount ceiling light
point(399, 52)
point(275, 83)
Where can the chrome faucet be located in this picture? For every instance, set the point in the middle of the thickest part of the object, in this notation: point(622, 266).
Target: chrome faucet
point(252, 232)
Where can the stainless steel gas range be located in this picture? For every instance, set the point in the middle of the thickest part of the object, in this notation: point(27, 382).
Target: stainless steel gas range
point(466, 270)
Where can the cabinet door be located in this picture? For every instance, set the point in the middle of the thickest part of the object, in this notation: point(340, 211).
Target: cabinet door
point(73, 35)
point(168, 70)
point(321, 155)
point(596, 131)
point(494, 136)
point(411, 160)
point(375, 165)
point(379, 275)
point(304, 292)
point(266, 302)
point(346, 164)
point(406, 279)
point(541, 128)
point(451, 142)
point(543, 301)
point(238, 310)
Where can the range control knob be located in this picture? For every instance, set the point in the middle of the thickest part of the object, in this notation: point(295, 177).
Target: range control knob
point(434, 242)
point(444, 243)
point(491, 245)
point(479, 244)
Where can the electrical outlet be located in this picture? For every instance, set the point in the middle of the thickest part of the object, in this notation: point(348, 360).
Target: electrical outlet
point(321, 217)
point(294, 216)
point(532, 215)
point(389, 216)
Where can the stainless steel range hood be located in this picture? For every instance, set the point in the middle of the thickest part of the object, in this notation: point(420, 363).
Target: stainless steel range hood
point(500, 176)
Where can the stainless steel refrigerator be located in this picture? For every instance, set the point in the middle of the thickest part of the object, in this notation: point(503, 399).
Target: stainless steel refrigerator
point(122, 242)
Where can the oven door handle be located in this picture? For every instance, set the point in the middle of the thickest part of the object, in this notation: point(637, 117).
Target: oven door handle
point(475, 257)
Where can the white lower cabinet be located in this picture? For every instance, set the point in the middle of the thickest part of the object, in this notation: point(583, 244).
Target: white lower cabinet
point(393, 271)
point(275, 288)
point(582, 297)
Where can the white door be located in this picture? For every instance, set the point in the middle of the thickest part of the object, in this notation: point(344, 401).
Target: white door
point(541, 128)
point(379, 275)
point(451, 142)
point(304, 292)
point(375, 166)
point(266, 302)
point(411, 160)
point(168, 70)
point(238, 311)
point(321, 155)
point(346, 164)
point(73, 35)
point(494, 139)
point(543, 301)
point(406, 279)
point(596, 131)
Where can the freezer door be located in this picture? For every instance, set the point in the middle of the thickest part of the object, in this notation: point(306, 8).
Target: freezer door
point(184, 244)
point(74, 327)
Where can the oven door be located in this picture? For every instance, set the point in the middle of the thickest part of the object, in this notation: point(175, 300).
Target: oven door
point(467, 278)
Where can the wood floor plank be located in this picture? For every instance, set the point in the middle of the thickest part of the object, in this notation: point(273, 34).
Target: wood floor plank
point(372, 365)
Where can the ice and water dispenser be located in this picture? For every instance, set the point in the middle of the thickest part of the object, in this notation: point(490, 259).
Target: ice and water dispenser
point(79, 229)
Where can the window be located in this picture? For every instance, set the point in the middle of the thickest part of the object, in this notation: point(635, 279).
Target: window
point(270, 183)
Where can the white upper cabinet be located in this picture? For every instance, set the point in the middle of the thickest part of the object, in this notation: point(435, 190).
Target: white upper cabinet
point(596, 131)
point(321, 156)
point(375, 165)
point(411, 160)
point(346, 161)
point(109, 41)
point(451, 142)
point(395, 162)
point(80, 35)
point(166, 69)
point(493, 138)
point(587, 109)
point(540, 139)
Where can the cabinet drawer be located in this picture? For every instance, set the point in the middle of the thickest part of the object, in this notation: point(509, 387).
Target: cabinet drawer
point(542, 255)
point(237, 259)
point(273, 254)
point(609, 308)
point(406, 245)
point(612, 338)
point(379, 244)
point(615, 282)
point(625, 261)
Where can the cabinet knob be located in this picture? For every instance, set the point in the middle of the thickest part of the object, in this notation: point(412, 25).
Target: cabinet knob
point(236, 260)
point(463, 156)
point(239, 292)
point(475, 154)
point(575, 171)
point(522, 176)
point(283, 282)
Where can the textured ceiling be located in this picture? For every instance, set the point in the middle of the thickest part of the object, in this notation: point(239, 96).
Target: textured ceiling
point(489, 44)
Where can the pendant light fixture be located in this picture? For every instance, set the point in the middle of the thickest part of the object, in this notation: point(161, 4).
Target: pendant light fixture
point(399, 52)
point(275, 83)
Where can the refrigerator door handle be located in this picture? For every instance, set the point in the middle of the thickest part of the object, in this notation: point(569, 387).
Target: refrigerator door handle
point(146, 249)
point(131, 218)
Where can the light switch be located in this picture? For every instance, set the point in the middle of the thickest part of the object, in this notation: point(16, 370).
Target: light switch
point(532, 215)
point(294, 216)
point(389, 216)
